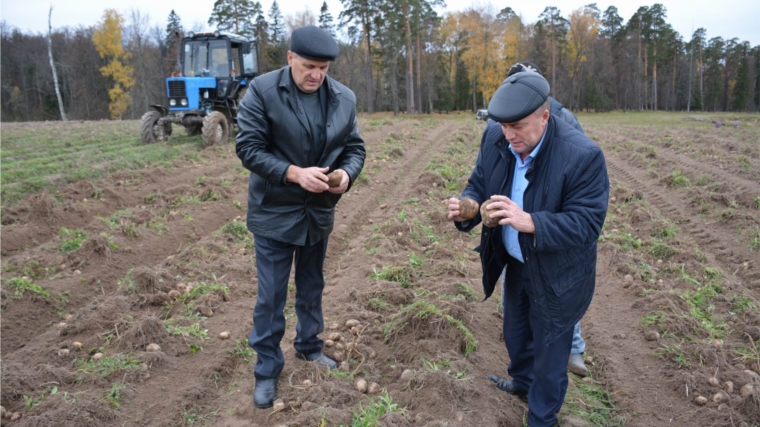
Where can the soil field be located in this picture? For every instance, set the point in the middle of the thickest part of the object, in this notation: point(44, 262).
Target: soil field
point(109, 247)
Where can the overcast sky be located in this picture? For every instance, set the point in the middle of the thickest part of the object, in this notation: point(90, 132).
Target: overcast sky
point(724, 18)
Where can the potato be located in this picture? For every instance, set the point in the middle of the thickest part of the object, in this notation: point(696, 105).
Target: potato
point(153, 348)
point(343, 367)
point(64, 352)
point(374, 388)
point(278, 406)
point(334, 327)
point(350, 323)
point(720, 397)
point(97, 356)
point(16, 416)
point(713, 381)
point(361, 385)
point(484, 212)
point(77, 345)
point(339, 356)
point(224, 335)
point(468, 208)
point(329, 343)
point(728, 386)
point(653, 336)
point(335, 336)
point(339, 347)
point(174, 294)
point(700, 400)
point(306, 383)
point(205, 310)
point(334, 178)
point(747, 389)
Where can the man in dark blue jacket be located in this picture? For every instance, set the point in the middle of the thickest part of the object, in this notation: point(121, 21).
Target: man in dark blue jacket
point(549, 189)
point(575, 363)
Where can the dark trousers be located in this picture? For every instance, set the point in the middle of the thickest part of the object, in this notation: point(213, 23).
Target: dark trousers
point(273, 262)
point(539, 369)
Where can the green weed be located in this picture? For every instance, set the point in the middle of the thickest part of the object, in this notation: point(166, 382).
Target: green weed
point(399, 274)
point(236, 229)
point(377, 304)
point(21, 285)
point(109, 364)
point(423, 310)
point(369, 415)
point(678, 179)
point(661, 251)
point(243, 351)
point(114, 395)
point(71, 240)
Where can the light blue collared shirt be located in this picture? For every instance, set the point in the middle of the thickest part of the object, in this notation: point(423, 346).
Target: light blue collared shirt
point(519, 183)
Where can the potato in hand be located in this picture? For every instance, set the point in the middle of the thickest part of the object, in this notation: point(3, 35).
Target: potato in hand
point(484, 212)
point(468, 208)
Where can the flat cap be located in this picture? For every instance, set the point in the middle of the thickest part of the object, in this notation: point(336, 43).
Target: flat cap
point(313, 43)
point(518, 96)
point(524, 66)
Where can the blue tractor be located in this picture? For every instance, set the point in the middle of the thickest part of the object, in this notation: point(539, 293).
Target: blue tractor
point(206, 91)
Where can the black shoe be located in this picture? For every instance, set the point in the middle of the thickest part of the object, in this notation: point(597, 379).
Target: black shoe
point(264, 393)
point(509, 387)
point(318, 357)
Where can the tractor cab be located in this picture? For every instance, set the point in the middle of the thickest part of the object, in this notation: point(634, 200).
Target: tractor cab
point(203, 95)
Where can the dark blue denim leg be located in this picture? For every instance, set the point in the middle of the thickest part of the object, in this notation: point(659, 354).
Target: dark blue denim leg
point(547, 393)
point(310, 282)
point(518, 335)
point(273, 262)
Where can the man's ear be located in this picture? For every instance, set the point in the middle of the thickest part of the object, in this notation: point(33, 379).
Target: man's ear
point(290, 58)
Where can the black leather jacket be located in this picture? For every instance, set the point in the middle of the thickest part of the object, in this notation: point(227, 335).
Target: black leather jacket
point(274, 134)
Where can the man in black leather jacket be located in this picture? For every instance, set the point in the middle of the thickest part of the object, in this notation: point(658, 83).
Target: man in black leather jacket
point(296, 125)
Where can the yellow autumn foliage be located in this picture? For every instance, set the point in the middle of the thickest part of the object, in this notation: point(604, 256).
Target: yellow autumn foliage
point(108, 42)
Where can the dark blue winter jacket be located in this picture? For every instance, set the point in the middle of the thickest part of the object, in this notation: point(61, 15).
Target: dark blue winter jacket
point(559, 111)
point(567, 198)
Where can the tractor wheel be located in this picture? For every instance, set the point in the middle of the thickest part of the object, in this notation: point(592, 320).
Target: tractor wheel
point(150, 131)
point(216, 129)
point(194, 129)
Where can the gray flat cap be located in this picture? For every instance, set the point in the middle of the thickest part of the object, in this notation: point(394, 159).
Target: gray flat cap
point(518, 96)
point(313, 43)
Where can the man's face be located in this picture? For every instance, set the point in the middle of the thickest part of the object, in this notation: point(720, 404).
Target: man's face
point(525, 134)
point(307, 73)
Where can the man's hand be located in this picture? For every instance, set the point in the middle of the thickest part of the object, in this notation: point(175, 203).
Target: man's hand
point(311, 179)
point(343, 183)
point(454, 210)
point(511, 214)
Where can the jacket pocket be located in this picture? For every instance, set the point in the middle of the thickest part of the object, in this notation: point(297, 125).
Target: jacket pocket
point(267, 193)
point(572, 277)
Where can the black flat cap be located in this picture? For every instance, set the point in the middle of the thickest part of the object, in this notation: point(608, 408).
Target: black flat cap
point(517, 97)
point(313, 43)
point(523, 66)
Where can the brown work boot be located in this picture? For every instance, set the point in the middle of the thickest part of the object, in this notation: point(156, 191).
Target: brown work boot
point(575, 365)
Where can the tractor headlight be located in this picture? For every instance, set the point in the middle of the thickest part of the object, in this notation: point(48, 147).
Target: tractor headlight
point(172, 102)
point(183, 102)
point(221, 89)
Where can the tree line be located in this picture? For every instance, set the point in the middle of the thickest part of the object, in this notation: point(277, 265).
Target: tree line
point(397, 55)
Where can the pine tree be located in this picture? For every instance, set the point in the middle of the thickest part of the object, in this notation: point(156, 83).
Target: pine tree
point(742, 82)
point(233, 15)
point(173, 30)
point(326, 19)
point(277, 23)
